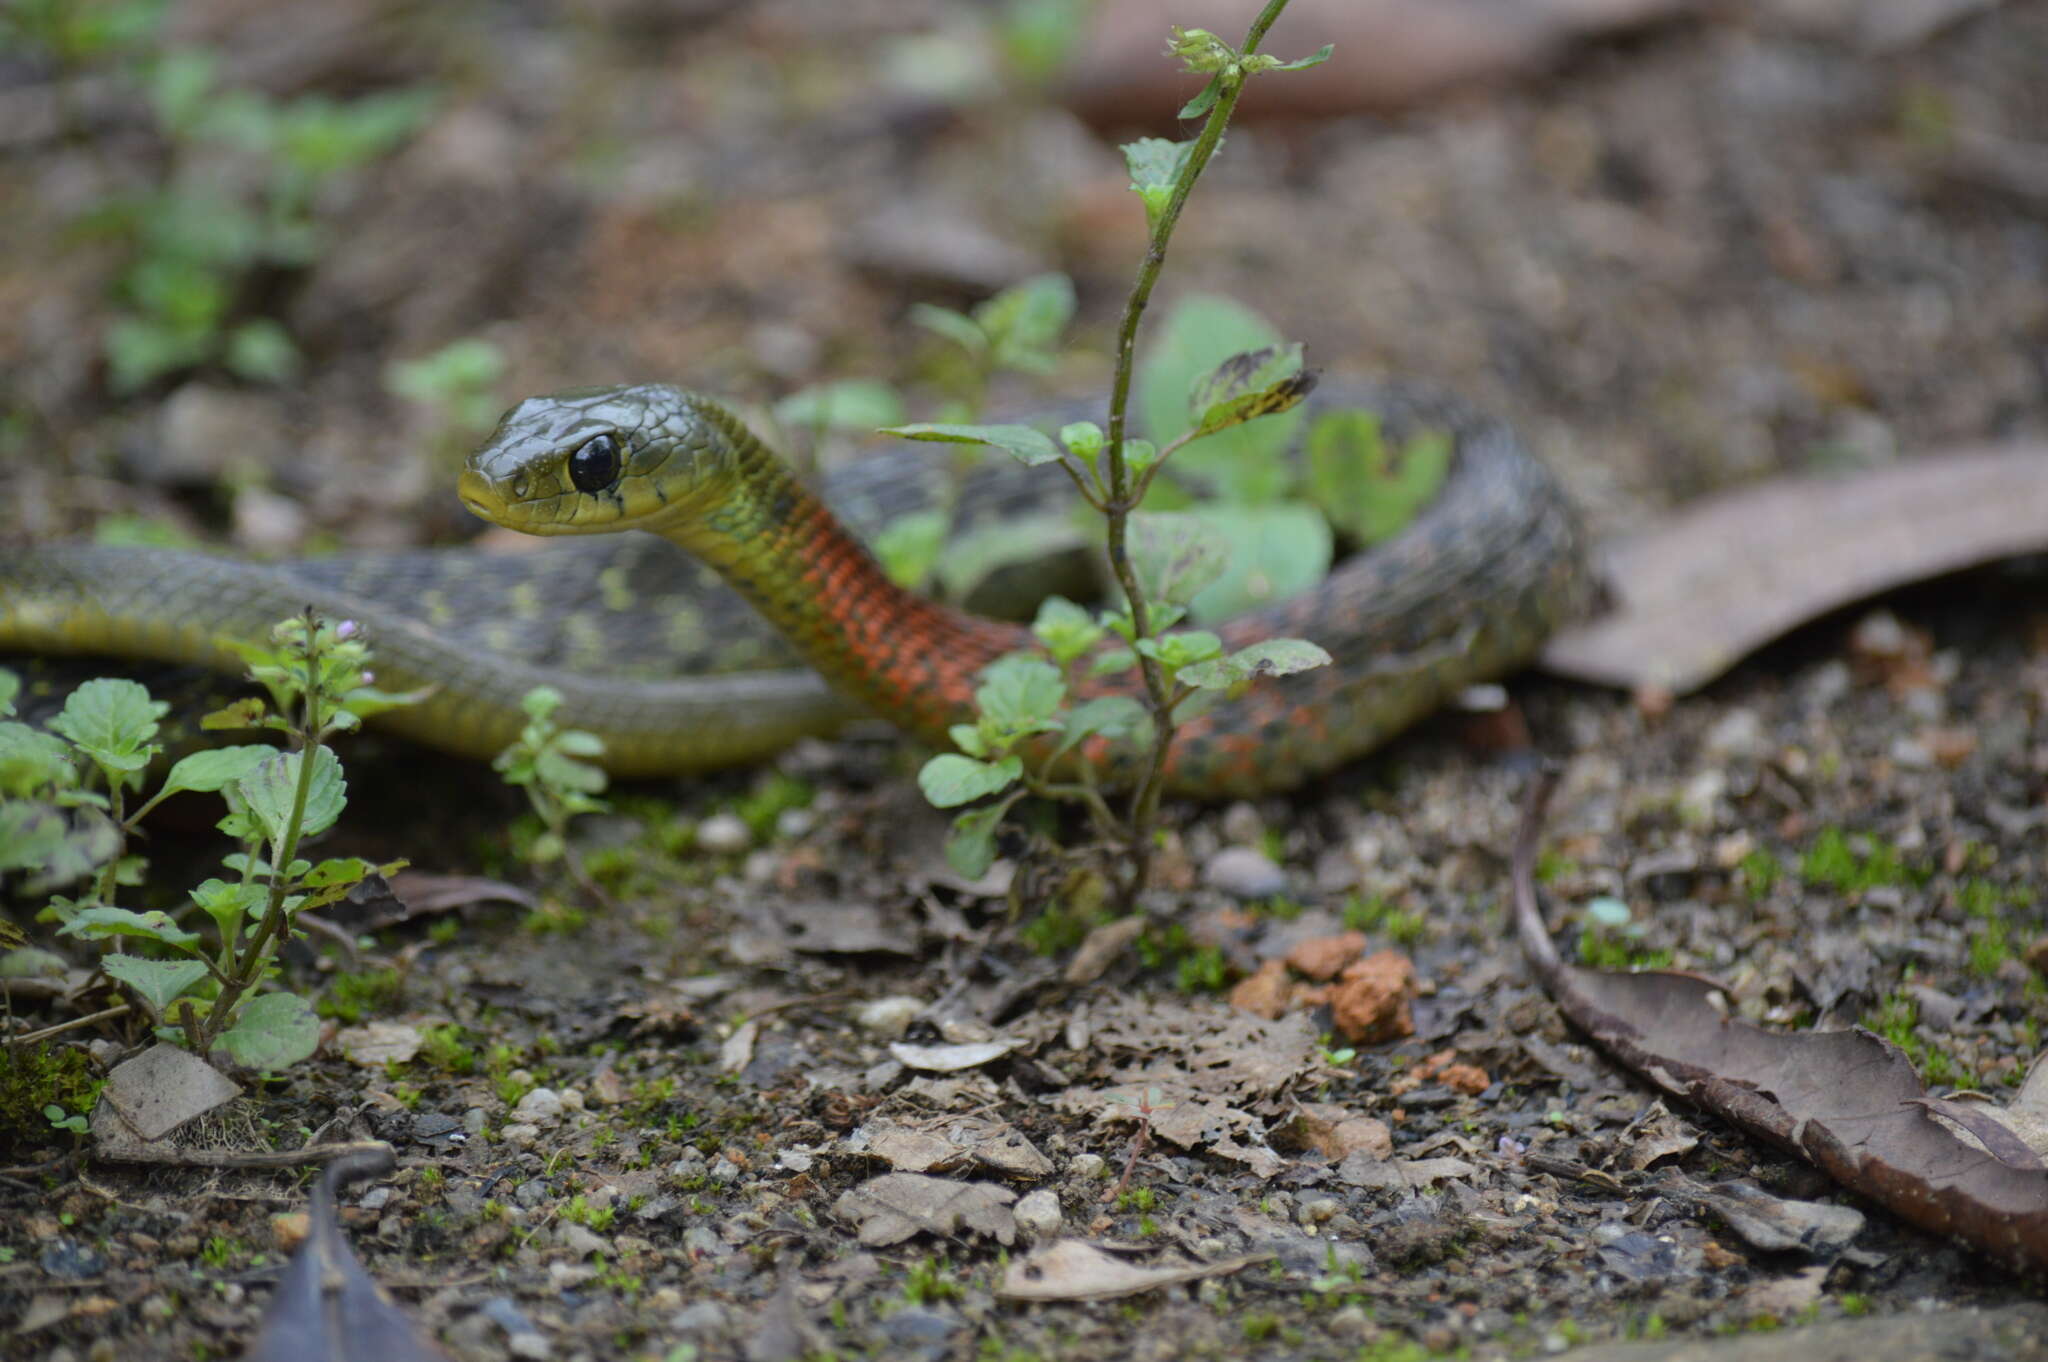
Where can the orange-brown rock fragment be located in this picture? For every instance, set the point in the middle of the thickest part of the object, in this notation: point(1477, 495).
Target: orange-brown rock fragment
point(1263, 994)
point(1370, 1004)
point(1324, 957)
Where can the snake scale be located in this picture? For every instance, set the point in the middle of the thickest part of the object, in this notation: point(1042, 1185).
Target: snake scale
point(676, 674)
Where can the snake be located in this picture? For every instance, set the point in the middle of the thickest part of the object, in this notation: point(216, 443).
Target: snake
point(751, 614)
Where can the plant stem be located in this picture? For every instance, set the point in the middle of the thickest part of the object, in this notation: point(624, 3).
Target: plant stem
point(1122, 498)
point(248, 965)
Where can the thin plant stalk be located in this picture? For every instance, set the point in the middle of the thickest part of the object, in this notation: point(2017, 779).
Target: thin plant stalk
point(1123, 498)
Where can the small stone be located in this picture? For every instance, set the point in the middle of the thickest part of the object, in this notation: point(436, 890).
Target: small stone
point(917, 1327)
point(1242, 825)
point(791, 824)
point(541, 1107)
point(375, 1199)
point(1244, 873)
point(701, 1241)
point(888, 1018)
point(1323, 958)
point(531, 1192)
point(1264, 992)
point(723, 834)
point(1363, 1134)
point(474, 1120)
point(704, 1317)
point(580, 1240)
point(1370, 1005)
point(289, 1229)
point(1701, 797)
point(1737, 735)
point(1086, 1167)
point(70, 1259)
point(1319, 1210)
point(1038, 1213)
point(519, 1134)
point(1469, 1079)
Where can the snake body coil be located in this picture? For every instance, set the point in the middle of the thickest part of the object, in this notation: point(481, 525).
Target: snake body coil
point(674, 677)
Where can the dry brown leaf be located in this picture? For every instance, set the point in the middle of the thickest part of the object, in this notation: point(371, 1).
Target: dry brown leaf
point(1847, 1101)
point(1698, 592)
point(897, 1206)
point(1073, 1271)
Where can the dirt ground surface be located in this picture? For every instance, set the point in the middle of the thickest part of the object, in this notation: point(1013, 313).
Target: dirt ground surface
point(694, 1124)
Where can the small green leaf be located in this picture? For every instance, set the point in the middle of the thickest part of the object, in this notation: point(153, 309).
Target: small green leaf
point(362, 702)
point(113, 721)
point(337, 870)
point(541, 702)
point(271, 785)
point(1176, 554)
point(1027, 446)
point(1066, 630)
point(1083, 440)
point(1368, 490)
point(1113, 661)
point(1155, 165)
point(971, 841)
point(102, 923)
point(10, 686)
point(968, 739)
point(1107, 716)
point(1272, 553)
point(1315, 58)
point(854, 404)
point(230, 903)
point(1024, 321)
point(909, 545)
point(33, 836)
point(1206, 100)
point(957, 327)
point(1201, 331)
point(274, 1031)
point(262, 350)
point(1273, 657)
point(33, 761)
point(1248, 385)
point(213, 768)
point(248, 712)
point(949, 779)
point(156, 982)
point(1021, 694)
point(1175, 651)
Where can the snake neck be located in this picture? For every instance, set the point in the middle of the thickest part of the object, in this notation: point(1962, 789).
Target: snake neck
point(908, 658)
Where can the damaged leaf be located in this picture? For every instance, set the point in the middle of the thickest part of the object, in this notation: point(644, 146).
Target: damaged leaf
point(1846, 1101)
point(1700, 591)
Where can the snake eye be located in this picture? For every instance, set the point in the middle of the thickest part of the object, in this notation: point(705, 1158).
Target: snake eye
point(595, 466)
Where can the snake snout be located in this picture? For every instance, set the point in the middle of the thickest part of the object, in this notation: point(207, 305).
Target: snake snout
point(476, 493)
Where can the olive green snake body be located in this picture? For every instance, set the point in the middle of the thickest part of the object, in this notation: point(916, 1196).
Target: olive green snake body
point(676, 673)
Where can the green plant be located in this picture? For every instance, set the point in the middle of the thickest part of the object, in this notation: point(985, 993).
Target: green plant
point(65, 816)
point(197, 241)
point(457, 385)
point(1027, 737)
point(551, 764)
point(1612, 939)
point(929, 1282)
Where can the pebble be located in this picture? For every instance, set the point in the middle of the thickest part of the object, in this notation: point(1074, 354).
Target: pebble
point(1038, 1213)
point(1244, 873)
point(1087, 1167)
point(69, 1258)
point(541, 1107)
point(1242, 825)
point(580, 1239)
point(705, 1317)
point(1319, 1211)
point(1738, 734)
point(723, 834)
point(519, 1134)
point(701, 1241)
point(888, 1018)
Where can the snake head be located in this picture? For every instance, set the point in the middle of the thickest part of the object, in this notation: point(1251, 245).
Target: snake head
point(596, 460)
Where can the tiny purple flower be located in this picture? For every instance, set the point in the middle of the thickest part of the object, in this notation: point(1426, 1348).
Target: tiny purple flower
point(346, 629)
